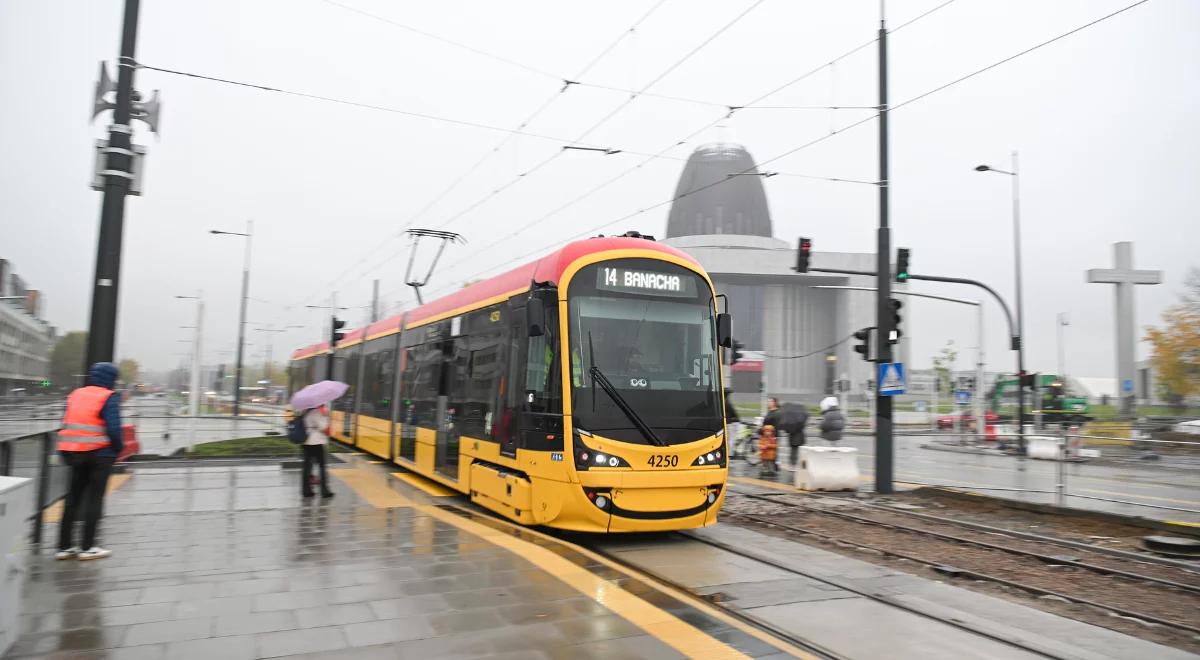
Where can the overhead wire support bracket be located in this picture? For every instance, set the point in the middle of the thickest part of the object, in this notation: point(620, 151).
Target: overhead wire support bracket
point(604, 150)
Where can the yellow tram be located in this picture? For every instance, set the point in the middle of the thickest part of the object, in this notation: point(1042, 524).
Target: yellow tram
point(580, 391)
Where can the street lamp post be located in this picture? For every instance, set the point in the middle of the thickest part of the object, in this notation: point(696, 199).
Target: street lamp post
point(1016, 218)
point(1063, 321)
point(194, 381)
point(237, 373)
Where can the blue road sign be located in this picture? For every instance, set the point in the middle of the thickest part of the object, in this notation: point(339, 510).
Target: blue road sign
point(891, 378)
point(962, 397)
point(1127, 386)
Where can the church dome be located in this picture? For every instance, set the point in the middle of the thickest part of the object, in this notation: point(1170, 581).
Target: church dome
point(736, 206)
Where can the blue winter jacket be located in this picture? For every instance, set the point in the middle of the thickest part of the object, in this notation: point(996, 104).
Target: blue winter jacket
point(104, 374)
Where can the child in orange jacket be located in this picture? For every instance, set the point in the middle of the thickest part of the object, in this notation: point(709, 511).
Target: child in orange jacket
point(768, 451)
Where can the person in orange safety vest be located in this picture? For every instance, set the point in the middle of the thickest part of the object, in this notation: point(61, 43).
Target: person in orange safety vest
point(89, 441)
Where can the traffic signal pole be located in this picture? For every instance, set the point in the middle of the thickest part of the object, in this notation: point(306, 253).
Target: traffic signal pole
point(884, 439)
point(117, 173)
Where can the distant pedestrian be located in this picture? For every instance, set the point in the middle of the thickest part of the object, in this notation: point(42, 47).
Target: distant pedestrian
point(90, 441)
point(317, 423)
point(794, 419)
point(733, 424)
point(833, 422)
point(774, 416)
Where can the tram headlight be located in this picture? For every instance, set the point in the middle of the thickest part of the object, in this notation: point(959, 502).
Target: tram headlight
point(601, 459)
point(715, 458)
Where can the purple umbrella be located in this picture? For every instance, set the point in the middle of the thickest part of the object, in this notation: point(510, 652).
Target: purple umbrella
point(318, 394)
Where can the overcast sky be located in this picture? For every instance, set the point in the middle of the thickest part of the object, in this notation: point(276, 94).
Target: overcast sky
point(1105, 121)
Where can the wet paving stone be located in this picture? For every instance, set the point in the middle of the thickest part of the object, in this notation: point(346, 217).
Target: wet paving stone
point(228, 563)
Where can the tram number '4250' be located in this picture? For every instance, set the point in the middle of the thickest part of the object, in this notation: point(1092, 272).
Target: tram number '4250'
point(662, 460)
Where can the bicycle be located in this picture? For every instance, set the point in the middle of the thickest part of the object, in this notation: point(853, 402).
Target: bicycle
point(745, 445)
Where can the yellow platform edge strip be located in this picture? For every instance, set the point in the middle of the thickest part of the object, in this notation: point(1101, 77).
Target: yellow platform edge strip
point(431, 488)
point(657, 622)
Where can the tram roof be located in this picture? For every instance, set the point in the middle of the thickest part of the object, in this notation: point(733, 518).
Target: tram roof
point(546, 269)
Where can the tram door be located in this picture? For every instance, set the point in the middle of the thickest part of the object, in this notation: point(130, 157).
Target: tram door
point(453, 365)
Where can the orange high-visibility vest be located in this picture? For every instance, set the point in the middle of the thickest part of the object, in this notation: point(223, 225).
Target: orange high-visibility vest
point(83, 428)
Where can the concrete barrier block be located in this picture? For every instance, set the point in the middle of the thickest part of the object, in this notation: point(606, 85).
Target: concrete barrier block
point(828, 468)
point(1045, 447)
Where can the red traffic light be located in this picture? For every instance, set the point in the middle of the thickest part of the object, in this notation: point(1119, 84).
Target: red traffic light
point(802, 255)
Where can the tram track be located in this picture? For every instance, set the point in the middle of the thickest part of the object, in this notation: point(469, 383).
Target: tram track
point(1185, 584)
point(1192, 587)
point(882, 598)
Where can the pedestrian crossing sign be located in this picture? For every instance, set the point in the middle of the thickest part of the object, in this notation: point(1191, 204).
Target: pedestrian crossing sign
point(891, 378)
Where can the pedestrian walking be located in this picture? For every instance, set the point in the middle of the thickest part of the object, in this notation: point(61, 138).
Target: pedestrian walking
point(90, 441)
point(316, 421)
point(833, 422)
point(794, 419)
point(774, 415)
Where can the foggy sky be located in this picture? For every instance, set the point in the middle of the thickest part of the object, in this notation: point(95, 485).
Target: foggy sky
point(1104, 121)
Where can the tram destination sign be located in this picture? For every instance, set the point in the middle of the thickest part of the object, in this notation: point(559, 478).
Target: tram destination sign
point(645, 282)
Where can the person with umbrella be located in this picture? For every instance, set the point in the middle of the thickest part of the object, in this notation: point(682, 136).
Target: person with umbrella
point(310, 403)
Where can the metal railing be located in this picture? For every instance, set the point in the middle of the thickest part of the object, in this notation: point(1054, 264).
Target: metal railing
point(32, 456)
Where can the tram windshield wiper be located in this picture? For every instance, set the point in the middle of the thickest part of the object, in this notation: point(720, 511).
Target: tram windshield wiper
point(611, 391)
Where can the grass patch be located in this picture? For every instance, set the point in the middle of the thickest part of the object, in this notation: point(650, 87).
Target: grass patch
point(271, 445)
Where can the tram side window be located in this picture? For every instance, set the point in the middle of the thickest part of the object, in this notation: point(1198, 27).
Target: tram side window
point(408, 374)
point(421, 382)
point(345, 369)
point(479, 364)
point(543, 391)
point(298, 375)
point(378, 378)
point(512, 389)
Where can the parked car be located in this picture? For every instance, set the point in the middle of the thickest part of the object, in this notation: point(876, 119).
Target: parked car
point(968, 420)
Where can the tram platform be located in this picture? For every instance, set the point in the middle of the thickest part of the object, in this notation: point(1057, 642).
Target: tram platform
point(228, 561)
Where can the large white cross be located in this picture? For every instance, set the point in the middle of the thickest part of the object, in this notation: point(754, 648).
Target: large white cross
point(1124, 277)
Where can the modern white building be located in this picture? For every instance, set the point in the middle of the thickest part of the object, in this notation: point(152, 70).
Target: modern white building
point(804, 331)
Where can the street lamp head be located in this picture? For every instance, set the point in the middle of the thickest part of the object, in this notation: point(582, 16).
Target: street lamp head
point(982, 168)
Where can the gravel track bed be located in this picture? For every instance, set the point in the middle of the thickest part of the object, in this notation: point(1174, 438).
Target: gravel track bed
point(1148, 598)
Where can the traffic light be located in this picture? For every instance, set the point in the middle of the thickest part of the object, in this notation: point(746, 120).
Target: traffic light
point(896, 332)
point(735, 353)
point(802, 255)
point(864, 349)
point(902, 264)
point(1028, 380)
point(334, 335)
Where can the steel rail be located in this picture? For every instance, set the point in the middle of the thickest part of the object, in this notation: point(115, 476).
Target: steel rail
point(1049, 559)
point(954, 570)
point(980, 527)
point(878, 597)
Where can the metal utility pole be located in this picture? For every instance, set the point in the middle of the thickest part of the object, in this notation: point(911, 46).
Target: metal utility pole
point(241, 341)
point(117, 174)
point(374, 301)
point(884, 442)
point(1063, 321)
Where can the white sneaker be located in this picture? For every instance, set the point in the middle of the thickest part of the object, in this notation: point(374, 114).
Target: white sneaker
point(69, 553)
point(96, 552)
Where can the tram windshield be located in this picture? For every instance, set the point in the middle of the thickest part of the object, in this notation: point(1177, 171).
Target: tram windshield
point(648, 327)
